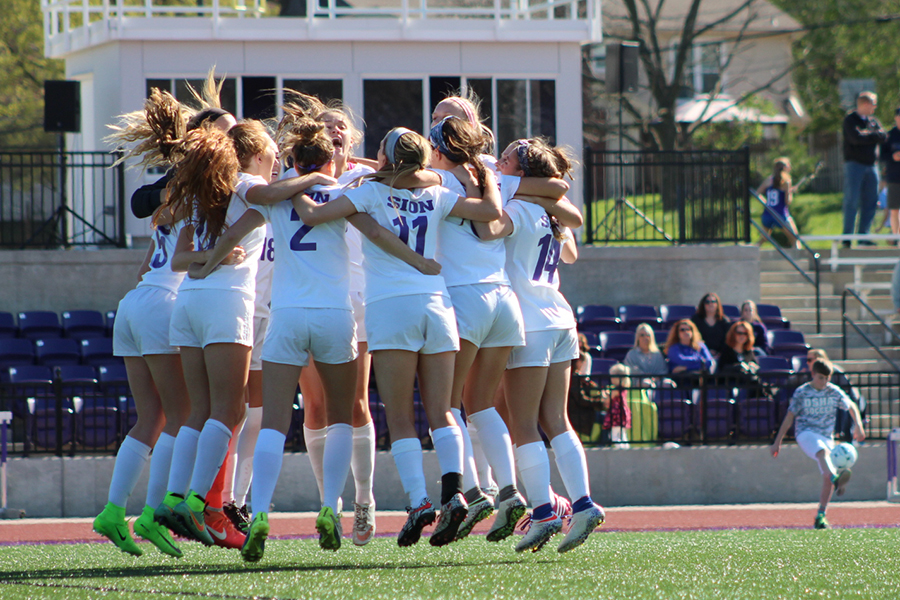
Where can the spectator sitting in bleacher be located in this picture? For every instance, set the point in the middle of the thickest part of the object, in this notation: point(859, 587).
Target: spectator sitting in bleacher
point(738, 357)
point(582, 364)
point(844, 421)
point(615, 400)
point(749, 315)
point(686, 351)
point(645, 358)
point(711, 323)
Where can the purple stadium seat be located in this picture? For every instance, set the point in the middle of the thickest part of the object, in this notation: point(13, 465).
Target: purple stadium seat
point(596, 317)
point(600, 366)
point(98, 351)
point(633, 315)
point(660, 335)
point(110, 322)
point(16, 351)
point(56, 352)
point(771, 317)
point(769, 364)
point(82, 324)
point(756, 415)
point(616, 344)
point(7, 325)
point(672, 313)
point(718, 415)
point(787, 342)
point(732, 312)
point(674, 412)
point(39, 324)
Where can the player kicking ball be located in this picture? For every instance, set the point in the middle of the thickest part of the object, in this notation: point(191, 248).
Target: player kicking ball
point(812, 410)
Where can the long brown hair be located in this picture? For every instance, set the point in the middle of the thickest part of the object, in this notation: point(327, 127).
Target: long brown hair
point(460, 142)
point(310, 145)
point(696, 339)
point(250, 138)
point(154, 133)
point(781, 178)
point(537, 158)
point(731, 337)
point(701, 308)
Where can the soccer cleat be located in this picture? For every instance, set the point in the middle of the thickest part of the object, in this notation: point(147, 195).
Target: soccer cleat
point(478, 511)
point(165, 515)
point(238, 516)
point(539, 533)
point(329, 528)
point(492, 491)
point(190, 515)
point(222, 530)
point(255, 544)
point(508, 514)
point(147, 528)
point(418, 518)
point(821, 522)
point(582, 524)
point(111, 524)
point(840, 481)
point(562, 508)
point(453, 513)
point(363, 523)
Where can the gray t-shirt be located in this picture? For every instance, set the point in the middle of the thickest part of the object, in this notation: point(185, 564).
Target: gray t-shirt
point(652, 363)
point(814, 410)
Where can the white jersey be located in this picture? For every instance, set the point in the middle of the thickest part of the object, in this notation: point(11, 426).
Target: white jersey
point(412, 215)
point(354, 237)
point(464, 257)
point(161, 274)
point(240, 277)
point(264, 276)
point(532, 255)
point(312, 270)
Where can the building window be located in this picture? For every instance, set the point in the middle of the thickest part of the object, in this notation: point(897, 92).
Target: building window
point(323, 89)
point(525, 108)
point(179, 89)
point(702, 69)
point(389, 103)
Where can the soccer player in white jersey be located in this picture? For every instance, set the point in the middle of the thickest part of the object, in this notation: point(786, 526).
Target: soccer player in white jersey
point(537, 380)
point(488, 318)
point(410, 321)
point(213, 315)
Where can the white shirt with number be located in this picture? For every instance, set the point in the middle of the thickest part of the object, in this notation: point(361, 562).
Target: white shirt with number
point(532, 255)
point(161, 274)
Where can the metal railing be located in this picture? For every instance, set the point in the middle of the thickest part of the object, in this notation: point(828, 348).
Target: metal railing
point(679, 197)
point(55, 199)
point(845, 320)
point(815, 279)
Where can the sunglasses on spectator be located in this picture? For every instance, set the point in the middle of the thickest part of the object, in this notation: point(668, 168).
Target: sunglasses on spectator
point(687, 329)
point(740, 333)
point(712, 301)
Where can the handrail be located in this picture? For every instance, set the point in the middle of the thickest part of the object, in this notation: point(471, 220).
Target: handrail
point(845, 319)
point(815, 255)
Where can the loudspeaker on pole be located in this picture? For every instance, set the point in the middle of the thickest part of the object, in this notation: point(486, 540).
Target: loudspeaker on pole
point(622, 68)
point(62, 106)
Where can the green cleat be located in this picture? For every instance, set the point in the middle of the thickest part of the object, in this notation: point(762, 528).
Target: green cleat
point(190, 515)
point(111, 524)
point(148, 529)
point(329, 528)
point(165, 514)
point(255, 544)
point(821, 522)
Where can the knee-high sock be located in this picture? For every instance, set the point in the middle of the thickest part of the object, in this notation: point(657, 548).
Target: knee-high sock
point(160, 461)
point(221, 486)
point(130, 461)
point(494, 437)
point(315, 447)
point(230, 464)
point(212, 446)
point(448, 445)
point(407, 455)
point(572, 464)
point(363, 462)
point(336, 462)
point(482, 464)
point(184, 455)
point(534, 467)
point(243, 472)
point(470, 471)
point(267, 458)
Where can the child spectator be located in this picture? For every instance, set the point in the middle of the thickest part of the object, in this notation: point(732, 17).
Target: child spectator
point(711, 323)
point(813, 406)
point(615, 402)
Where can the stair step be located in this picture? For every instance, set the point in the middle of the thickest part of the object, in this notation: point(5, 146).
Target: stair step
point(767, 290)
point(860, 365)
point(829, 301)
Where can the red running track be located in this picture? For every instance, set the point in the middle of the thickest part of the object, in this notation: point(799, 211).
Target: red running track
point(630, 518)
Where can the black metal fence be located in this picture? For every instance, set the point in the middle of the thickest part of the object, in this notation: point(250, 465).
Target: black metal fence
point(59, 199)
point(677, 197)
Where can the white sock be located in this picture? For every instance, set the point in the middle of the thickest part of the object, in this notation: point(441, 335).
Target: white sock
point(363, 462)
point(470, 471)
point(521, 482)
point(184, 454)
point(482, 465)
point(494, 437)
point(243, 472)
point(230, 466)
point(267, 460)
point(448, 444)
point(336, 462)
point(572, 464)
point(212, 446)
point(534, 466)
point(407, 455)
point(160, 461)
point(130, 461)
point(315, 447)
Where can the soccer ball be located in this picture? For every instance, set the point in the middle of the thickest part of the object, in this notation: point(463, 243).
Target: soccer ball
point(843, 456)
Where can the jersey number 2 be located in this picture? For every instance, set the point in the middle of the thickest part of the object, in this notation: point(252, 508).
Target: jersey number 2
point(296, 244)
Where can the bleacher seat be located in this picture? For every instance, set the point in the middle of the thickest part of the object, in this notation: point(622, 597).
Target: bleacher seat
point(660, 335)
point(593, 342)
point(596, 317)
point(41, 422)
point(787, 342)
point(732, 312)
point(770, 364)
point(601, 366)
point(110, 322)
point(31, 381)
point(83, 324)
point(56, 352)
point(616, 344)
point(98, 351)
point(16, 351)
point(8, 327)
point(39, 324)
point(633, 315)
point(798, 363)
point(757, 415)
point(771, 317)
point(674, 412)
point(98, 424)
point(718, 416)
point(672, 313)
point(30, 374)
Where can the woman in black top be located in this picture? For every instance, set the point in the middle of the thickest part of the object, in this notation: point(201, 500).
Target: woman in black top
point(711, 323)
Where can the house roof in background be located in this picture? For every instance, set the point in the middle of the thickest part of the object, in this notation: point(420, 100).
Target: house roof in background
point(767, 18)
point(722, 109)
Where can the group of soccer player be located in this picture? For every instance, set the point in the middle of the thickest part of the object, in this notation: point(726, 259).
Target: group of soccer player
point(445, 276)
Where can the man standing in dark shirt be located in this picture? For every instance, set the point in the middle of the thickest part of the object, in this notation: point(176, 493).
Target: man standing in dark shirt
point(862, 135)
point(890, 156)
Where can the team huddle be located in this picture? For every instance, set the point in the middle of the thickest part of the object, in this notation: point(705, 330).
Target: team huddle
point(435, 259)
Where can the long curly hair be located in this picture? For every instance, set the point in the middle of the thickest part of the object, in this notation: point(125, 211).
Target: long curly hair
point(464, 143)
point(154, 134)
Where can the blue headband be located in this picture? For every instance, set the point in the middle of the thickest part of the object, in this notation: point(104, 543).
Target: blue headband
point(522, 153)
point(390, 141)
point(437, 138)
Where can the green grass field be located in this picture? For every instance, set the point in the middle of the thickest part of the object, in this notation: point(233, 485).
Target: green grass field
point(755, 564)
